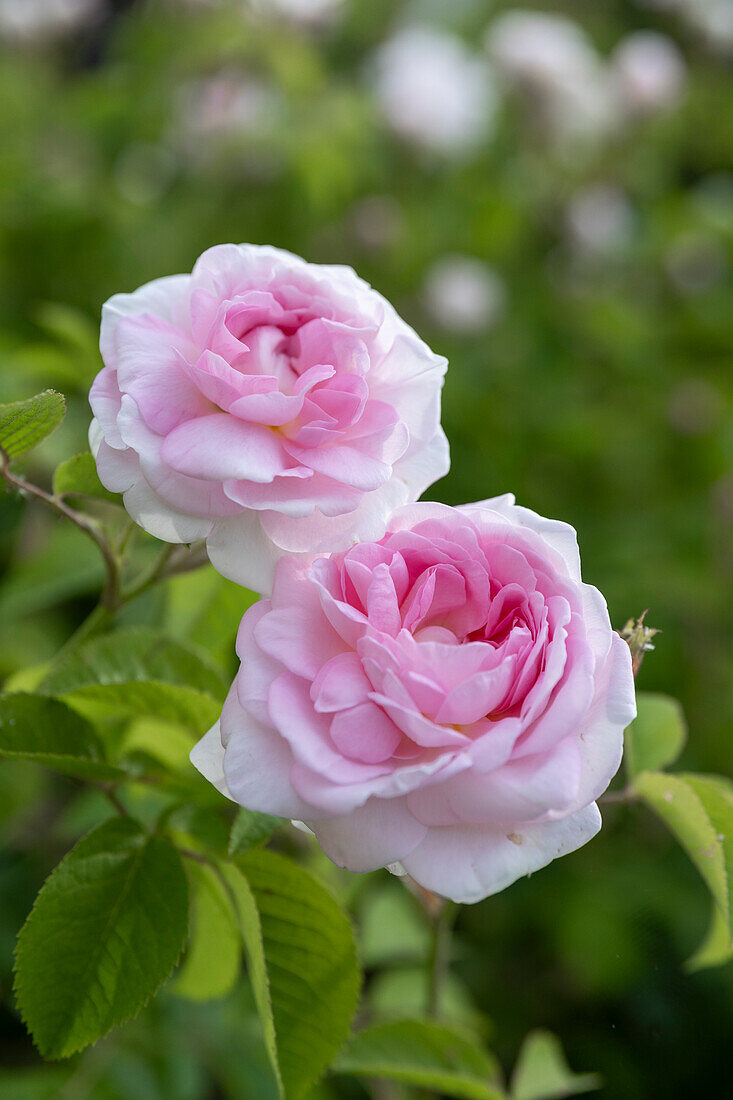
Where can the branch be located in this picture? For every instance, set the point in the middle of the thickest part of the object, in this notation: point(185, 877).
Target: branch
point(110, 593)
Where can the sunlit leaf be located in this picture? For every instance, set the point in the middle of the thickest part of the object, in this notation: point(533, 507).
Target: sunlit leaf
point(77, 476)
point(302, 965)
point(212, 963)
point(23, 424)
point(542, 1073)
point(423, 1054)
point(698, 809)
point(105, 932)
point(657, 735)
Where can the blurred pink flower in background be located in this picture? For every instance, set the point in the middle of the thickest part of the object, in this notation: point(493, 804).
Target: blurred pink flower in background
point(451, 698)
point(266, 405)
point(433, 92)
point(649, 72)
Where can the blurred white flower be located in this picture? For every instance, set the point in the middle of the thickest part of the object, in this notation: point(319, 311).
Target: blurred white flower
point(714, 20)
point(550, 60)
point(649, 72)
point(219, 108)
point(29, 20)
point(306, 12)
point(600, 220)
point(433, 91)
point(463, 294)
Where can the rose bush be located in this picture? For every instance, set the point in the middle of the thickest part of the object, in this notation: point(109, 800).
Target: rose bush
point(451, 697)
point(265, 404)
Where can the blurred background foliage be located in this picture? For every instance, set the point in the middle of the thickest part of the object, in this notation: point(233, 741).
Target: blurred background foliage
point(547, 196)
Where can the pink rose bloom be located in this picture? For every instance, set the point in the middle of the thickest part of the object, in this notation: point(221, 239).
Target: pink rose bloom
point(451, 698)
point(265, 404)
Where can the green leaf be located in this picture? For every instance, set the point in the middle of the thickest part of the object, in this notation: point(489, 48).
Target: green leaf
point(302, 965)
point(77, 476)
point(717, 947)
point(46, 731)
point(423, 1054)
point(699, 812)
point(541, 1072)
point(164, 742)
point(211, 966)
point(249, 829)
point(23, 424)
point(139, 671)
point(105, 932)
point(657, 735)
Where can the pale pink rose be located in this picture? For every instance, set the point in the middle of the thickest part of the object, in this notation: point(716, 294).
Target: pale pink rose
point(451, 698)
point(265, 404)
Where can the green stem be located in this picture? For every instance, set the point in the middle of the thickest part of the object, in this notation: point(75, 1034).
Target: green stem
point(439, 959)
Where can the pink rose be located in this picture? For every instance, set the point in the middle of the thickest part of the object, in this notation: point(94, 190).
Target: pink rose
point(451, 698)
point(265, 404)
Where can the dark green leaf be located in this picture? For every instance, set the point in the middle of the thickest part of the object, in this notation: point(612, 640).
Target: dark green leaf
point(424, 1054)
point(657, 735)
point(541, 1072)
point(46, 731)
point(212, 963)
point(78, 476)
point(302, 965)
point(105, 932)
point(250, 829)
point(23, 424)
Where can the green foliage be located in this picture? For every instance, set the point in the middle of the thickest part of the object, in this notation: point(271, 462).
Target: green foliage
point(302, 964)
point(657, 735)
point(46, 731)
point(699, 812)
point(541, 1072)
point(77, 477)
point(212, 962)
point(105, 932)
point(23, 424)
point(249, 829)
point(140, 671)
point(425, 1054)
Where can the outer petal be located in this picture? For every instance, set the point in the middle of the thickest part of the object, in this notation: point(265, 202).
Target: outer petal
point(239, 549)
point(469, 862)
point(382, 831)
point(207, 756)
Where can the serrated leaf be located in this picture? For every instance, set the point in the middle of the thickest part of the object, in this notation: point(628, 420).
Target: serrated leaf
point(698, 810)
point(249, 829)
point(542, 1073)
point(212, 964)
point(23, 424)
point(423, 1054)
point(302, 965)
point(164, 742)
point(77, 476)
point(139, 671)
point(46, 731)
point(105, 932)
point(657, 735)
point(134, 654)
